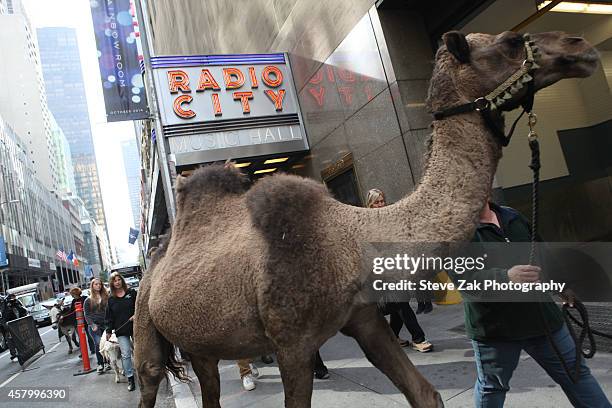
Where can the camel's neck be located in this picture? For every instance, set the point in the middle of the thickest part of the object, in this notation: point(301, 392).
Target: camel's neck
point(458, 178)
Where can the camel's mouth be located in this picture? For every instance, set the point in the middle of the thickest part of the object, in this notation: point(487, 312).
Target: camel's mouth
point(586, 61)
point(555, 65)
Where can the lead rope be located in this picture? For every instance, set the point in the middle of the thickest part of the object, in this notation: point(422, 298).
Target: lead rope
point(535, 165)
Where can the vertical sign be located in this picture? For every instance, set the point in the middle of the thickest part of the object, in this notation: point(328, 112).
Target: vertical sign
point(118, 59)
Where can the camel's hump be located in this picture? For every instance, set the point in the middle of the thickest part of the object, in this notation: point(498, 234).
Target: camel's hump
point(215, 178)
point(281, 206)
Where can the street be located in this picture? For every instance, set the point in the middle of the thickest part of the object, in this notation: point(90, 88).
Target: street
point(354, 381)
point(56, 367)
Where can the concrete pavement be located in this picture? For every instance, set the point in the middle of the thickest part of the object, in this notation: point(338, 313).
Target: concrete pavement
point(56, 369)
point(354, 381)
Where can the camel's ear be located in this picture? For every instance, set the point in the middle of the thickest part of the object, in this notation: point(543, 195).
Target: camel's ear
point(457, 45)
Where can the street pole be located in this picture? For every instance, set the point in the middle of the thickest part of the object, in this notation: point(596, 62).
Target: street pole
point(164, 167)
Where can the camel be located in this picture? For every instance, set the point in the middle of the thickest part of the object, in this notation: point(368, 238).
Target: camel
point(276, 267)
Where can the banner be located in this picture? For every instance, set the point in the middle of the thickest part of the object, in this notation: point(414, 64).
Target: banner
point(26, 338)
point(3, 257)
point(118, 58)
point(133, 236)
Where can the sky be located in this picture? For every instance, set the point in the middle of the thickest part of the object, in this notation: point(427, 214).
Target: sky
point(107, 136)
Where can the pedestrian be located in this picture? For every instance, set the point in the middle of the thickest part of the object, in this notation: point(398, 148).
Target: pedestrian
point(78, 298)
point(248, 373)
point(12, 309)
point(424, 304)
point(501, 330)
point(119, 316)
point(401, 312)
point(95, 310)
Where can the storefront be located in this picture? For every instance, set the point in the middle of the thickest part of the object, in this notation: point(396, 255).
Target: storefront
point(361, 71)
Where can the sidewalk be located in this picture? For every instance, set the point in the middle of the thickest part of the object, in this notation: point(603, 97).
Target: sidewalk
point(356, 383)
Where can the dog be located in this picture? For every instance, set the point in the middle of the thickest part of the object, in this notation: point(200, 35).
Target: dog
point(111, 351)
point(64, 321)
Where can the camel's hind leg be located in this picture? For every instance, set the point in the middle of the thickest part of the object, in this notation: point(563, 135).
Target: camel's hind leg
point(207, 371)
point(378, 342)
point(296, 365)
point(149, 351)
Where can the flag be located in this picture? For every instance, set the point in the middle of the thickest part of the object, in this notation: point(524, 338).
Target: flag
point(133, 236)
point(76, 261)
point(70, 257)
point(61, 255)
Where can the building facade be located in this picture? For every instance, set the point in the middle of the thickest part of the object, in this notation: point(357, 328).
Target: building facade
point(131, 163)
point(362, 71)
point(61, 67)
point(35, 224)
point(65, 169)
point(23, 101)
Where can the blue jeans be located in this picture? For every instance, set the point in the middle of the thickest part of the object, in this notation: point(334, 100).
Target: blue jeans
point(96, 336)
point(496, 361)
point(126, 355)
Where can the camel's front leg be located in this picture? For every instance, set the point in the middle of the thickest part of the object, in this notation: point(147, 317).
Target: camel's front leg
point(207, 371)
point(296, 365)
point(378, 342)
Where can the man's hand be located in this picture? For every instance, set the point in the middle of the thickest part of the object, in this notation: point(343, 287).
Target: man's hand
point(524, 273)
point(94, 328)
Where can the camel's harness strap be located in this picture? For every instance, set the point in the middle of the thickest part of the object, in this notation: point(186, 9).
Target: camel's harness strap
point(487, 105)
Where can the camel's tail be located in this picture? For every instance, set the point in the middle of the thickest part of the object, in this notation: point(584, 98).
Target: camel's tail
point(172, 364)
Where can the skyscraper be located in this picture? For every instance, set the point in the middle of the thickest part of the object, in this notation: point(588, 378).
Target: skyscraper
point(131, 162)
point(23, 103)
point(61, 67)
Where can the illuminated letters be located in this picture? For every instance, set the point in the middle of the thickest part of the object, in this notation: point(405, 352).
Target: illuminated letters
point(244, 99)
point(272, 83)
point(318, 94)
point(230, 83)
point(178, 109)
point(253, 77)
point(347, 93)
point(207, 81)
point(178, 80)
point(216, 104)
point(277, 99)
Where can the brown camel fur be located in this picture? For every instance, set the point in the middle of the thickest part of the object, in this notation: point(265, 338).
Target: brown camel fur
point(277, 268)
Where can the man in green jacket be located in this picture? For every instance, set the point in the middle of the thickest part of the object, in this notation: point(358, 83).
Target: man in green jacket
point(500, 330)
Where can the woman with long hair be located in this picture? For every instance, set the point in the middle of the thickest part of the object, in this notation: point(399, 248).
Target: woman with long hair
point(401, 312)
point(95, 310)
point(119, 315)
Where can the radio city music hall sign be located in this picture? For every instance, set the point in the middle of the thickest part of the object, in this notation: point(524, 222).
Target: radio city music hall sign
point(228, 106)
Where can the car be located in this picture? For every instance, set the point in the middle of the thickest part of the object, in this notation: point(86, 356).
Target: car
point(132, 282)
point(40, 314)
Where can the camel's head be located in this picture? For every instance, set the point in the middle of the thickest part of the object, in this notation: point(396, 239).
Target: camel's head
point(469, 67)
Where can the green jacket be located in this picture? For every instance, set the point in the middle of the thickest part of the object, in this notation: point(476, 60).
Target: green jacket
point(495, 321)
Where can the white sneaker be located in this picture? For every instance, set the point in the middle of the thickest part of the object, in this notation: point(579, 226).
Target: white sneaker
point(100, 369)
point(247, 382)
point(254, 371)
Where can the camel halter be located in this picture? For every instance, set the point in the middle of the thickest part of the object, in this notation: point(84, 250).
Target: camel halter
point(487, 105)
point(493, 101)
